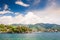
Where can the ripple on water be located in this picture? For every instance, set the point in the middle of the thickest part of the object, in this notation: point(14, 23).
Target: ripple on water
point(31, 36)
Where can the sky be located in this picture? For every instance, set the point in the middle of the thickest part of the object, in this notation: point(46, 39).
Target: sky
point(29, 11)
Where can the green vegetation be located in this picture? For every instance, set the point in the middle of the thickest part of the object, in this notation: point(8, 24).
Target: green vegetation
point(12, 29)
point(29, 28)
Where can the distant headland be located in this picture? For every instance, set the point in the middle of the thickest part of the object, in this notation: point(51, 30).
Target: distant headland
point(21, 28)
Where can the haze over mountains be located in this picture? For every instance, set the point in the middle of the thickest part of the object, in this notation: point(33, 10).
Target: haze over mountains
point(38, 25)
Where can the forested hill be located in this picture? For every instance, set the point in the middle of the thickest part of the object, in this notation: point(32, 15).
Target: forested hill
point(24, 28)
point(45, 25)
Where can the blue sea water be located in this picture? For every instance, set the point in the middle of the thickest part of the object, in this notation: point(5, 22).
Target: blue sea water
point(32, 36)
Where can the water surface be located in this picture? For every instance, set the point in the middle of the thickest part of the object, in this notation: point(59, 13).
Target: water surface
point(32, 36)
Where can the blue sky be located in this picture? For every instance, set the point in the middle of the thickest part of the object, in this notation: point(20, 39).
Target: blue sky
point(19, 8)
point(29, 11)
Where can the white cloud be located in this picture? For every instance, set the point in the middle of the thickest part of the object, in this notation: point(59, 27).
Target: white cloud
point(21, 3)
point(17, 13)
point(10, 19)
point(51, 14)
point(5, 7)
point(48, 15)
point(6, 20)
point(29, 18)
point(6, 10)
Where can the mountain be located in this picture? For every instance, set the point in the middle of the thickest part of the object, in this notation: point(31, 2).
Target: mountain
point(39, 25)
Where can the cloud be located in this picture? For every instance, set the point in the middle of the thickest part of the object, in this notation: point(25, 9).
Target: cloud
point(47, 16)
point(6, 10)
point(6, 20)
point(29, 18)
point(10, 19)
point(5, 7)
point(17, 13)
point(51, 14)
point(52, 3)
point(21, 3)
point(36, 2)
